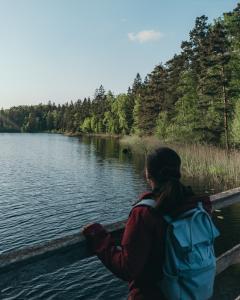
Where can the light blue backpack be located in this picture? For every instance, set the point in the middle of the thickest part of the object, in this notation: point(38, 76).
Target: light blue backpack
point(190, 263)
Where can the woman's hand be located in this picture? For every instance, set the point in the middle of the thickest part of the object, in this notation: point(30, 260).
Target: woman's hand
point(90, 230)
point(86, 227)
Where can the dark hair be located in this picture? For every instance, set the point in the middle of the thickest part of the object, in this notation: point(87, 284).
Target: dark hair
point(163, 166)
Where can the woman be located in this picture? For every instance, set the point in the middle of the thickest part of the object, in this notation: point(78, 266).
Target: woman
point(140, 258)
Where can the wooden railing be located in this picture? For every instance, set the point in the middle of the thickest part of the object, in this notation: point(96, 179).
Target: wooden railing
point(62, 248)
point(227, 259)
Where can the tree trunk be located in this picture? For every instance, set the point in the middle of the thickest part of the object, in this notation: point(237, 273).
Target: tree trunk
point(225, 112)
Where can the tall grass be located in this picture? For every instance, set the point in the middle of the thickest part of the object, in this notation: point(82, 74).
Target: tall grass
point(202, 162)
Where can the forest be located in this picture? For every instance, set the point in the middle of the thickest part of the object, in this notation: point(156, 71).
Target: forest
point(194, 97)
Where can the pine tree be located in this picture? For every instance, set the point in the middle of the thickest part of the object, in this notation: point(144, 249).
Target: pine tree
point(153, 99)
point(220, 75)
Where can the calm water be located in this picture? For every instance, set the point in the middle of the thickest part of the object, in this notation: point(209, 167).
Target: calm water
point(51, 185)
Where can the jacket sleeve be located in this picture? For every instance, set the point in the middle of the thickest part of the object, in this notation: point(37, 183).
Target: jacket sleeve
point(126, 262)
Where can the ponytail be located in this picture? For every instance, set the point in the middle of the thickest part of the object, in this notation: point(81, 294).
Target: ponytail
point(163, 166)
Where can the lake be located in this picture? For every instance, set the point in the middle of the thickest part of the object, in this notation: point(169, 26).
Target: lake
point(51, 185)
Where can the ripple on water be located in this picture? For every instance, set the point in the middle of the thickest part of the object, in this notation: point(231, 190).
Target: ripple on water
point(51, 186)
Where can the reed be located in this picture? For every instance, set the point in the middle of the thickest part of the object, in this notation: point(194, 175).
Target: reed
point(203, 162)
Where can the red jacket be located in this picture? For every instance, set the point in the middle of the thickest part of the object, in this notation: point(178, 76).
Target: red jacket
point(140, 258)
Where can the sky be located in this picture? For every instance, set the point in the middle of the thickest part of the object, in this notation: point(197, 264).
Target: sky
point(62, 50)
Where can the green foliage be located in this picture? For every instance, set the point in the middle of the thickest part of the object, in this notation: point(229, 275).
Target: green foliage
point(137, 115)
point(162, 126)
point(235, 129)
point(86, 126)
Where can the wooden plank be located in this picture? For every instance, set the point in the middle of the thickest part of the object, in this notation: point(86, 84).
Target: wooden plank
point(62, 246)
point(226, 198)
point(227, 259)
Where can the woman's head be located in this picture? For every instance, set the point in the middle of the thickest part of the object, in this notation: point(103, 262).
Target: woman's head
point(161, 165)
point(163, 174)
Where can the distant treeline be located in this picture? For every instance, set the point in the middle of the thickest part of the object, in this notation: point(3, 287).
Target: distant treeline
point(194, 97)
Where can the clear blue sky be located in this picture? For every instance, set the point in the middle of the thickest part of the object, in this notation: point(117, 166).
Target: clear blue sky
point(62, 50)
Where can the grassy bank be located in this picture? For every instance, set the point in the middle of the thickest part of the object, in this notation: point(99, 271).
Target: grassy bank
point(202, 162)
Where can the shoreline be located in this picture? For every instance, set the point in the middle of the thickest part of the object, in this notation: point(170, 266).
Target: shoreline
point(102, 135)
point(73, 134)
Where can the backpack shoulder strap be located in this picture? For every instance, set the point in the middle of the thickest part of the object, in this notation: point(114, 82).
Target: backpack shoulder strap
point(186, 214)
